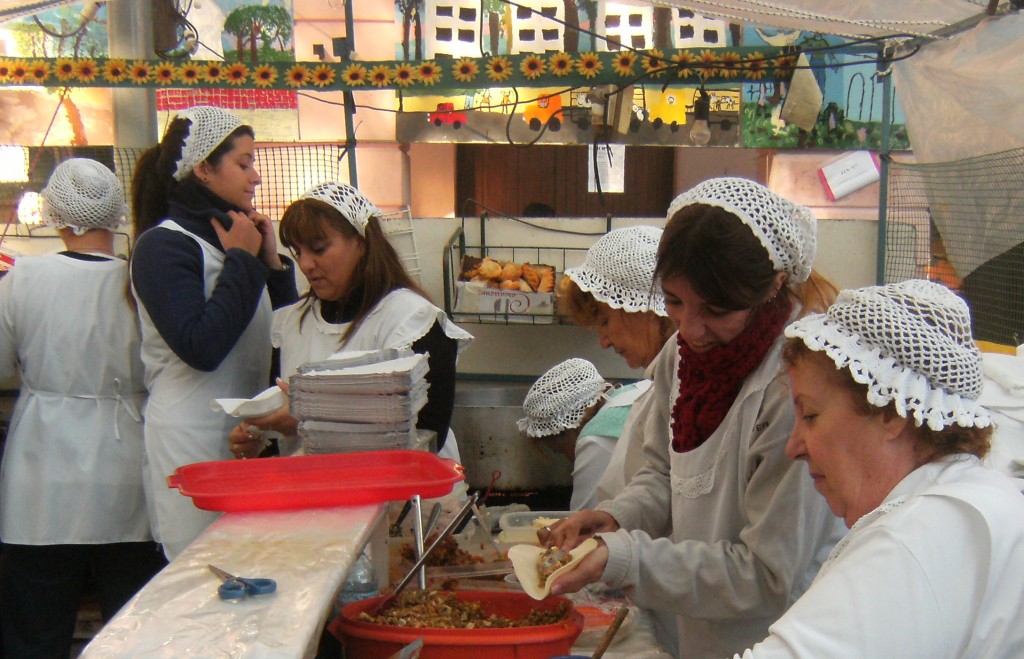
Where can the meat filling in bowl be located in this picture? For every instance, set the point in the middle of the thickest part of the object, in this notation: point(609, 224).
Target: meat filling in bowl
point(440, 610)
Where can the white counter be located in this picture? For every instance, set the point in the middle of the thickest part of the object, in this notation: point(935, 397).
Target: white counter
point(178, 613)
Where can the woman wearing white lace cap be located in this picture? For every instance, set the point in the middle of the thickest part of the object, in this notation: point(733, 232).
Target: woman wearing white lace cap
point(886, 386)
point(206, 274)
point(613, 292)
point(718, 527)
point(71, 494)
point(360, 297)
point(559, 407)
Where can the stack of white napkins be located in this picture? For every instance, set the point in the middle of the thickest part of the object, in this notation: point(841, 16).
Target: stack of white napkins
point(359, 401)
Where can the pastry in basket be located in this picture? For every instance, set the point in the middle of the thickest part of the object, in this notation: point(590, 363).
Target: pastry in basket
point(512, 285)
point(489, 268)
point(527, 562)
point(511, 272)
point(470, 267)
point(541, 278)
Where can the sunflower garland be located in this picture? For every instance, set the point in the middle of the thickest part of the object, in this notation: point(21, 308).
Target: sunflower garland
point(140, 72)
point(323, 75)
point(18, 73)
point(532, 67)
point(756, 66)
point(264, 75)
point(236, 74)
point(404, 75)
point(38, 71)
point(85, 70)
point(189, 73)
point(429, 73)
point(65, 69)
point(165, 73)
point(354, 75)
point(588, 65)
point(561, 64)
point(624, 62)
point(654, 63)
point(784, 65)
point(499, 68)
point(380, 75)
point(465, 70)
point(115, 70)
point(297, 76)
point(709, 64)
point(684, 61)
point(212, 73)
point(731, 65)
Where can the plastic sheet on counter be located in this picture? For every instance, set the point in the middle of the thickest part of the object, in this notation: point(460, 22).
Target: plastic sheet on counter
point(178, 613)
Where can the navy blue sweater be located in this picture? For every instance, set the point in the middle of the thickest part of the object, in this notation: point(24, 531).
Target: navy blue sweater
point(167, 272)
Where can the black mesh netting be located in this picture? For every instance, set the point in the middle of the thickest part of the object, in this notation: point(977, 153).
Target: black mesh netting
point(962, 224)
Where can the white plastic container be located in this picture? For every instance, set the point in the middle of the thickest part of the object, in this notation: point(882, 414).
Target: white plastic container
point(522, 527)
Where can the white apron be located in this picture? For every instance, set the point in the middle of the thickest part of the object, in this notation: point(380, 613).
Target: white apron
point(399, 320)
point(72, 466)
point(181, 428)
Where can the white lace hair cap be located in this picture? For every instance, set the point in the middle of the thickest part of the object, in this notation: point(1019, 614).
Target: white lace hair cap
point(558, 399)
point(911, 344)
point(619, 270)
point(348, 201)
point(83, 194)
point(786, 230)
point(210, 125)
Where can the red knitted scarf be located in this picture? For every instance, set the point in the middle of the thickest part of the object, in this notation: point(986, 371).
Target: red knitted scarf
point(710, 381)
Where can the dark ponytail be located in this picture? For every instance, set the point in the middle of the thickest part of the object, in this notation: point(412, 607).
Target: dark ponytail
point(153, 179)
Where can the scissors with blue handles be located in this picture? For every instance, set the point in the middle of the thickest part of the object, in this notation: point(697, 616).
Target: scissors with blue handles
point(235, 588)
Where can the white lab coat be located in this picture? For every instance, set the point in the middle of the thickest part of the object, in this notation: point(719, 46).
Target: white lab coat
point(748, 530)
point(72, 466)
point(934, 572)
point(181, 428)
point(400, 319)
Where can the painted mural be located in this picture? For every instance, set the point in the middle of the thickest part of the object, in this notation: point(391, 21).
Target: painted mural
point(529, 71)
point(72, 116)
point(648, 111)
point(851, 113)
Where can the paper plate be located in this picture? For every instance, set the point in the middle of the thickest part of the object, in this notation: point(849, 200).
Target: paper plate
point(524, 562)
point(261, 404)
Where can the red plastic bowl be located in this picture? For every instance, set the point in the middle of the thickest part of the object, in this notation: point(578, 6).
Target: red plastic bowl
point(372, 641)
point(315, 481)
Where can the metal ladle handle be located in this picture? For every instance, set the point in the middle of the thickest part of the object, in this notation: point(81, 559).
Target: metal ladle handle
point(465, 510)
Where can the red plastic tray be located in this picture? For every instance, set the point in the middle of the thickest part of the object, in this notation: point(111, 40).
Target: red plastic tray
point(315, 481)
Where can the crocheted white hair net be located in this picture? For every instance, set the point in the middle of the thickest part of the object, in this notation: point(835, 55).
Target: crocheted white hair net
point(619, 270)
point(348, 201)
point(909, 343)
point(786, 230)
point(210, 125)
point(83, 194)
point(558, 399)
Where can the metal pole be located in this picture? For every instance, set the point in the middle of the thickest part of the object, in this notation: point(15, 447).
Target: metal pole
point(130, 35)
point(883, 181)
point(350, 103)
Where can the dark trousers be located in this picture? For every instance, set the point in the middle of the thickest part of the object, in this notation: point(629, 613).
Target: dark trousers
point(43, 585)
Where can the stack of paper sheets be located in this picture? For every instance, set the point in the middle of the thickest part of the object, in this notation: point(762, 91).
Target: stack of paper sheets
point(359, 401)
